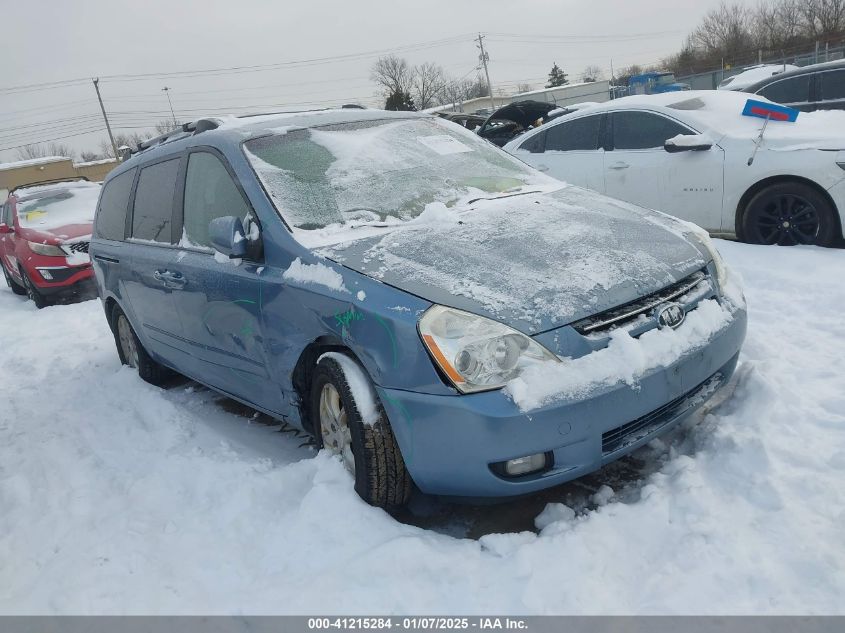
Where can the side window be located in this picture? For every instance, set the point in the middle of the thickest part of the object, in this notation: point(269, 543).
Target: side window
point(4, 215)
point(580, 134)
point(791, 90)
point(110, 222)
point(210, 193)
point(153, 210)
point(643, 130)
point(535, 144)
point(833, 84)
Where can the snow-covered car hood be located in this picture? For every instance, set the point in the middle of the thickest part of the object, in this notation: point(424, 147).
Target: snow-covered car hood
point(535, 261)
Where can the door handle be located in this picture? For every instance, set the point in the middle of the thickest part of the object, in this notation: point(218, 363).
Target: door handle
point(619, 165)
point(542, 167)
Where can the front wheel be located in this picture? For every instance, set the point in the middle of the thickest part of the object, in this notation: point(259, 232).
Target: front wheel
point(788, 214)
point(32, 292)
point(365, 445)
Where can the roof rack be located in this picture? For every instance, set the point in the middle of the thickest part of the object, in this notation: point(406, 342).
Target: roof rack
point(183, 131)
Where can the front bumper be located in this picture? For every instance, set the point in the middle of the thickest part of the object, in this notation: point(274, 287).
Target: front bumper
point(450, 442)
point(64, 280)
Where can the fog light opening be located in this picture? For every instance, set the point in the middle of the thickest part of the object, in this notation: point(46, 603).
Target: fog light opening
point(525, 465)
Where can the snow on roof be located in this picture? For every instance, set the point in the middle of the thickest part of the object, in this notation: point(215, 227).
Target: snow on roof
point(753, 75)
point(92, 163)
point(545, 90)
point(33, 161)
point(720, 112)
point(31, 190)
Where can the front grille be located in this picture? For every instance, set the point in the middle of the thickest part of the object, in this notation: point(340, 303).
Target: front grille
point(620, 315)
point(632, 432)
point(78, 247)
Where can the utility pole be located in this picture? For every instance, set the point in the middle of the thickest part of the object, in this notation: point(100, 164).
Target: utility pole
point(484, 57)
point(166, 91)
point(105, 118)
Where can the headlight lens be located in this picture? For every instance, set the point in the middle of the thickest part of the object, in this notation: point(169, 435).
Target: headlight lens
point(46, 249)
point(476, 353)
point(718, 262)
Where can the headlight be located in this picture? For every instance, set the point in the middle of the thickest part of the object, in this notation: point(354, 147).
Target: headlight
point(46, 249)
point(476, 353)
point(718, 262)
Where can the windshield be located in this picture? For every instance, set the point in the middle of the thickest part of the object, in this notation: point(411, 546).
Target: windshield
point(59, 207)
point(379, 171)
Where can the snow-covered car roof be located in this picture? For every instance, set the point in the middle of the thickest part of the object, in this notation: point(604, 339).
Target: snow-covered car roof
point(754, 74)
point(37, 190)
point(719, 113)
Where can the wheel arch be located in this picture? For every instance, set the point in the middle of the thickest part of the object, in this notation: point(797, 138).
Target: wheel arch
point(303, 371)
point(760, 185)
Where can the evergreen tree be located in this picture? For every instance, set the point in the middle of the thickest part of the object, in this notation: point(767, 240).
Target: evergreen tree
point(399, 100)
point(557, 77)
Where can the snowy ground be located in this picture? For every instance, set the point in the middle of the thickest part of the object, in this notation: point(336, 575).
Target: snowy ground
point(117, 497)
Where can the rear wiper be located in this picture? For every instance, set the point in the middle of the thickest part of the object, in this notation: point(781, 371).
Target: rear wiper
point(507, 195)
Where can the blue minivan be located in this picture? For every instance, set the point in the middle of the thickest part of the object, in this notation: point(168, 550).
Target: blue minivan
point(429, 308)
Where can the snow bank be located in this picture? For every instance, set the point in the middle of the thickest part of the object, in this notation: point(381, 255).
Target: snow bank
point(317, 274)
point(121, 498)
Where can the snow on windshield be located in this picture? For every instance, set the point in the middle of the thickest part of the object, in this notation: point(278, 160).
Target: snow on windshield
point(377, 171)
point(59, 207)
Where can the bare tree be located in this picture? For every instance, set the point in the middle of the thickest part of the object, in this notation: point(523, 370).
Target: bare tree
point(166, 125)
point(130, 140)
point(592, 73)
point(427, 82)
point(520, 88)
point(823, 18)
point(35, 150)
point(392, 74)
point(725, 31)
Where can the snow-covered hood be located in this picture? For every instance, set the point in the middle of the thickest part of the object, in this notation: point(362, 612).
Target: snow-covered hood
point(535, 261)
point(57, 234)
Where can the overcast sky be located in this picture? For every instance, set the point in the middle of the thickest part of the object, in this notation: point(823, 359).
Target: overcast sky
point(56, 41)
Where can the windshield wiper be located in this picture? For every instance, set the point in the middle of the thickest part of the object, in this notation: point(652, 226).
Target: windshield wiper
point(507, 195)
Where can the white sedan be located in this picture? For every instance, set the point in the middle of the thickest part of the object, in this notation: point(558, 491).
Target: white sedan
point(693, 155)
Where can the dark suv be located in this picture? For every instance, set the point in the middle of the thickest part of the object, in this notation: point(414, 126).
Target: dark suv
point(816, 87)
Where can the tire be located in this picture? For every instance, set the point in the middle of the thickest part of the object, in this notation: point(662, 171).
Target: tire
point(31, 291)
point(133, 354)
point(14, 285)
point(789, 213)
point(376, 463)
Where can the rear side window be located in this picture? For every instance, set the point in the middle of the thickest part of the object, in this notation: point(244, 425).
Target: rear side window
point(791, 90)
point(210, 193)
point(110, 222)
point(833, 84)
point(580, 134)
point(643, 130)
point(535, 144)
point(153, 211)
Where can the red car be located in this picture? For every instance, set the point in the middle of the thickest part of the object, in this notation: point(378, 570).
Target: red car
point(44, 235)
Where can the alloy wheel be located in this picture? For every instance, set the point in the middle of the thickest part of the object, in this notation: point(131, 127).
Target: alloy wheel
point(333, 426)
point(787, 219)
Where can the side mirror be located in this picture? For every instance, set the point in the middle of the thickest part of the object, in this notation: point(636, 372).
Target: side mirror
point(227, 236)
point(688, 143)
point(5, 228)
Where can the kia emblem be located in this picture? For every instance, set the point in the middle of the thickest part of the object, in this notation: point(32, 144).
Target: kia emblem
point(670, 315)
